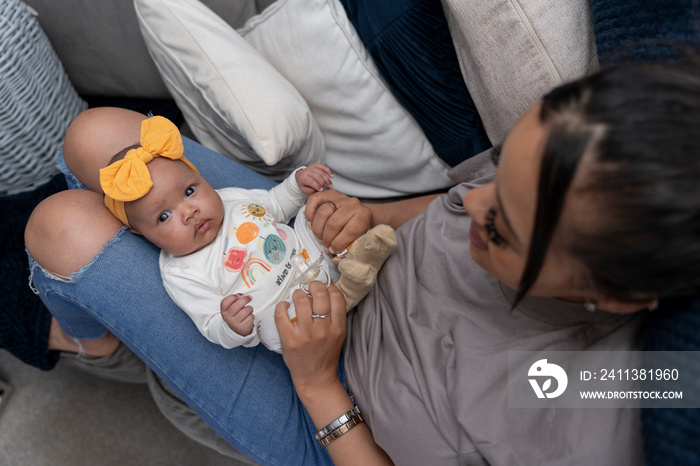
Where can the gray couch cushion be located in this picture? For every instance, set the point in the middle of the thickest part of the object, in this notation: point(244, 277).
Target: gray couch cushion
point(101, 46)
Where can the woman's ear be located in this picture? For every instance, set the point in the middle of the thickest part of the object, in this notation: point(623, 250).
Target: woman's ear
point(623, 307)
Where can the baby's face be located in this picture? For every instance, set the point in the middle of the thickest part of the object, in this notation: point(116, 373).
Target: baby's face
point(181, 213)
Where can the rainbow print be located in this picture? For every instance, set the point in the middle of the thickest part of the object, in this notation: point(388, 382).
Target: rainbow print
point(254, 269)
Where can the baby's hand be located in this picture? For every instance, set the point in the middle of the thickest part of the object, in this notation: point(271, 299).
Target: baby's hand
point(237, 314)
point(315, 177)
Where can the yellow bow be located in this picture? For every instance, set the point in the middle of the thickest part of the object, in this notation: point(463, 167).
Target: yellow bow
point(128, 179)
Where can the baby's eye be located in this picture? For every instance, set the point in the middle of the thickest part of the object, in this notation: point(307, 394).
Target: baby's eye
point(163, 217)
point(189, 191)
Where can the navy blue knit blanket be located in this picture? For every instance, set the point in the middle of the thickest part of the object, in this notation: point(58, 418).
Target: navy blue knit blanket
point(24, 321)
point(644, 31)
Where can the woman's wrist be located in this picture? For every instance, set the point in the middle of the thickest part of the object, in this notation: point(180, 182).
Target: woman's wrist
point(310, 389)
point(397, 213)
point(339, 427)
point(324, 401)
point(351, 442)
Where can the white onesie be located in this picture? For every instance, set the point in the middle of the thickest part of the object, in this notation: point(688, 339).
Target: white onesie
point(250, 255)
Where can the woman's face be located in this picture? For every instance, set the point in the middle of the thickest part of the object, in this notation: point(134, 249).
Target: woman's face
point(503, 214)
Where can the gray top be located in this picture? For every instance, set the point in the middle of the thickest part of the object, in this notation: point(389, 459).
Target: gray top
point(426, 358)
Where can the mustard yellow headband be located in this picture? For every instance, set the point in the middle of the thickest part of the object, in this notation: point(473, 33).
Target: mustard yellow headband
point(129, 179)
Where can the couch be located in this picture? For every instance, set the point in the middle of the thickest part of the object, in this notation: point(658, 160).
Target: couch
point(385, 143)
point(395, 138)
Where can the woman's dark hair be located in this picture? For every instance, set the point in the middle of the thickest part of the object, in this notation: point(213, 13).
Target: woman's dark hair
point(635, 132)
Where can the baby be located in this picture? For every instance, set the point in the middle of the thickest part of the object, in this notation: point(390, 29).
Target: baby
point(228, 256)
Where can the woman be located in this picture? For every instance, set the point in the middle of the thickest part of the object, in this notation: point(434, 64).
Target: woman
point(594, 205)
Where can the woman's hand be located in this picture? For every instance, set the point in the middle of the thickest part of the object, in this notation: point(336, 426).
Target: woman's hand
point(336, 219)
point(311, 349)
point(311, 345)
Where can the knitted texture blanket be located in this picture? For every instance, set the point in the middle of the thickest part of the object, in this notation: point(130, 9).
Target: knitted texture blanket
point(24, 321)
point(647, 31)
point(643, 30)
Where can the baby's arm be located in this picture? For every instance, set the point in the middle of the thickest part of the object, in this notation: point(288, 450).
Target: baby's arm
point(284, 200)
point(202, 303)
point(237, 314)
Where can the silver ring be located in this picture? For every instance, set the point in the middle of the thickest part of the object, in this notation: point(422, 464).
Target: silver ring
point(342, 253)
point(320, 316)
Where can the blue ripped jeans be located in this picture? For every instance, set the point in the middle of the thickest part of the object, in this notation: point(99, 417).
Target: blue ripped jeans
point(244, 394)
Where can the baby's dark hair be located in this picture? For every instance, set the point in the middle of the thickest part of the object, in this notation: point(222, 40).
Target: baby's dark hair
point(635, 133)
point(122, 153)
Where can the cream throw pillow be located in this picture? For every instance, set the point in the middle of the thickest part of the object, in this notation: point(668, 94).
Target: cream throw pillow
point(373, 144)
point(234, 101)
point(512, 52)
point(231, 96)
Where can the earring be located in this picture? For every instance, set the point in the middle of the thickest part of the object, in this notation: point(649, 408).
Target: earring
point(589, 306)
